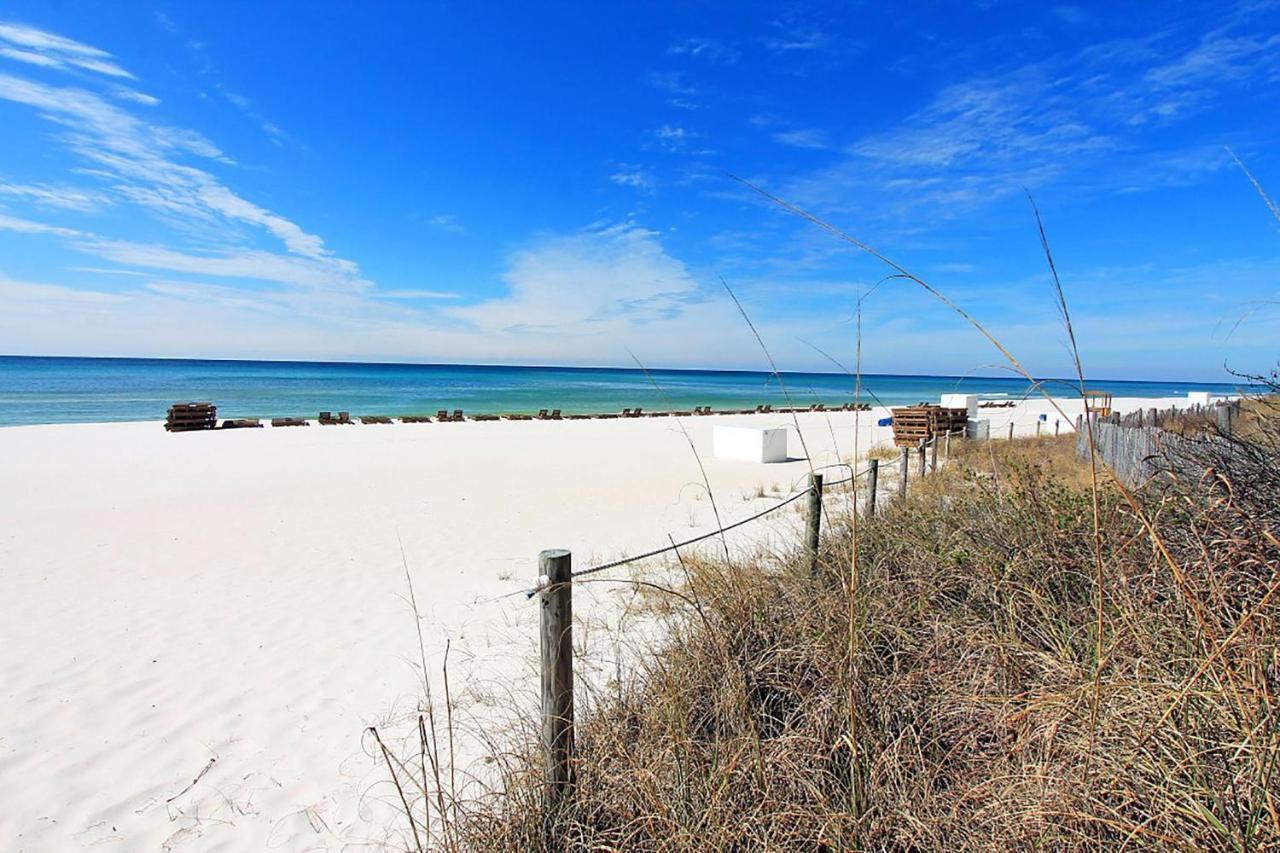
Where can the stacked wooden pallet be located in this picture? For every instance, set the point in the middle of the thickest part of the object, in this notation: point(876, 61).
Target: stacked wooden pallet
point(184, 417)
point(915, 424)
point(911, 425)
point(948, 421)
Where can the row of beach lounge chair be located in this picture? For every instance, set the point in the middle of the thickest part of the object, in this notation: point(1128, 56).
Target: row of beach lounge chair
point(197, 416)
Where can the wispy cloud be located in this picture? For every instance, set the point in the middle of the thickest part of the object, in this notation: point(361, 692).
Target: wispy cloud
point(583, 282)
point(148, 164)
point(36, 47)
point(27, 226)
point(1083, 122)
point(672, 82)
point(418, 294)
point(680, 92)
point(713, 50)
point(810, 138)
point(447, 222)
point(632, 176)
point(15, 292)
point(672, 137)
point(46, 195)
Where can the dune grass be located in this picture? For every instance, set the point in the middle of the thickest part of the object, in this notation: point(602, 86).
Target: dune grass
point(974, 685)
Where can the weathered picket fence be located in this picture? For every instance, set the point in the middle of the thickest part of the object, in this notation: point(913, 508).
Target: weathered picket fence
point(1139, 450)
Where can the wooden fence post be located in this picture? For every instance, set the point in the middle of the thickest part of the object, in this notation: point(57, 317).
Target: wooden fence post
point(1080, 422)
point(1225, 413)
point(814, 521)
point(903, 462)
point(1011, 430)
point(873, 475)
point(933, 454)
point(1057, 423)
point(1152, 417)
point(1037, 427)
point(920, 457)
point(556, 566)
point(946, 448)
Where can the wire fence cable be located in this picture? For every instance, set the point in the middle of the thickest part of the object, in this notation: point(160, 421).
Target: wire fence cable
point(675, 546)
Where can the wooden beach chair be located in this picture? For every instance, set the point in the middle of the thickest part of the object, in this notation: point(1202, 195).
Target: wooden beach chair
point(241, 423)
point(374, 419)
point(442, 415)
point(481, 417)
point(1098, 402)
point(542, 415)
point(289, 422)
point(414, 419)
point(518, 416)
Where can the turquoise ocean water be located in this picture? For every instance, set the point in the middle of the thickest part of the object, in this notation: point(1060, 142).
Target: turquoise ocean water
point(71, 390)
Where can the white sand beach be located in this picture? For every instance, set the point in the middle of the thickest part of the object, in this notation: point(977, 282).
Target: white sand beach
point(230, 607)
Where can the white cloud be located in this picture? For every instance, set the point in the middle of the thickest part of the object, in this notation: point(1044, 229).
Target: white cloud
point(703, 48)
point(27, 226)
point(46, 195)
point(250, 264)
point(37, 47)
point(585, 283)
point(447, 222)
point(13, 292)
point(671, 82)
point(672, 137)
point(810, 138)
point(124, 93)
point(417, 294)
point(142, 162)
point(632, 176)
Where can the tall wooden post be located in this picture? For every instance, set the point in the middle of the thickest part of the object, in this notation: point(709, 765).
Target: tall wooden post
point(1152, 417)
point(814, 521)
point(946, 448)
point(903, 462)
point(1011, 430)
point(1080, 422)
point(933, 454)
point(556, 566)
point(1226, 413)
point(920, 460)
point(873, 477)
point(1057, 424)
point(1037, 427)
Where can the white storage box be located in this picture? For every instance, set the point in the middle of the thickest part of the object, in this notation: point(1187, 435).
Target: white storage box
point(751, 444)
point(980, 430)
point(968, 402)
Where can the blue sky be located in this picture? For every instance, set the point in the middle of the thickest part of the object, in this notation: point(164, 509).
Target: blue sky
point(549, 184)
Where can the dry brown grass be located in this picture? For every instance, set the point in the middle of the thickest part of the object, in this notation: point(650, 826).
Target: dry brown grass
point(976, 685)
